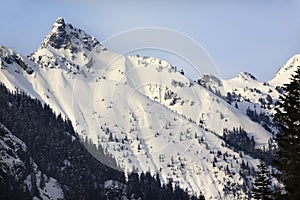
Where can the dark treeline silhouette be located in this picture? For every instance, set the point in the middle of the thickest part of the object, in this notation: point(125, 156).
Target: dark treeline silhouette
point(239, 140)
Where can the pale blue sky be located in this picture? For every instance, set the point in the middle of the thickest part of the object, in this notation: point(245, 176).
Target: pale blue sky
point(239, 35)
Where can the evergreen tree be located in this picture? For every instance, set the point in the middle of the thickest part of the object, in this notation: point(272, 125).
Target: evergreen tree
point(133, 189)
point(261, 188)
point(236, 105)
point(42, 181)
point(288, 139)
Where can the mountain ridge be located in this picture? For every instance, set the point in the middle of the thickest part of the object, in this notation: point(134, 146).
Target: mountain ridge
point(172, 125)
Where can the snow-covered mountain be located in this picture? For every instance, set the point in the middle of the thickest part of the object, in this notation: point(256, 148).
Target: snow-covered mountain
point(146, 114)
point(252, 97)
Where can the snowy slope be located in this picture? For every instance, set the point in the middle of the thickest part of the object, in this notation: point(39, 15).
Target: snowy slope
point(140, 109)
point(170, 88)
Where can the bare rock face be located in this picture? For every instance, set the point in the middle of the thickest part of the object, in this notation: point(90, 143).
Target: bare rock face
point(65, 36)
point(58, 37)
point(8, 57)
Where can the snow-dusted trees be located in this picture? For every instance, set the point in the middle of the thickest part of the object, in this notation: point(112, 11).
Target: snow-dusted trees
point(262, 184)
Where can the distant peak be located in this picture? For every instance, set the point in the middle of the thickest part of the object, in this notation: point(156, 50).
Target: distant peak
point(5, 52)
point(60, 20)
point(291, 64)
point(284, 73)
point(208, 79)
point(246, 76)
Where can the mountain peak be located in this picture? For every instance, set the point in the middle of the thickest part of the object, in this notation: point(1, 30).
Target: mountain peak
point(60, 20)
point(57, 37)
point(65, 36)
point(209, 79)
point(59, 25)
point(284, 73)
point(291, 64)
point(246, 76)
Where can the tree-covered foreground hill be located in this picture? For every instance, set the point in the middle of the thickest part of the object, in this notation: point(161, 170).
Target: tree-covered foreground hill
point(42, 157)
